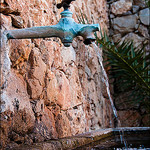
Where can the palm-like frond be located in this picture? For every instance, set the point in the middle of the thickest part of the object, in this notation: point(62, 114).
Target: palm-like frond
point(129, 65)
point(147, 3)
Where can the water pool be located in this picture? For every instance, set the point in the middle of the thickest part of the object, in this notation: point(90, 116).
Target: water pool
point(133, 138)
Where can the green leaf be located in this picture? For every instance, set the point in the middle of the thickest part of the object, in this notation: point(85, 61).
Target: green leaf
point(129, 66)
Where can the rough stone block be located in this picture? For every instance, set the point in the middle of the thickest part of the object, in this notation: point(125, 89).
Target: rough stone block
point(121, 6)
point(135, 8)
point(17, 21)
point(137, 40)
point(140, 3)
point(125, 24)
point(143, 31)
point(145, 16)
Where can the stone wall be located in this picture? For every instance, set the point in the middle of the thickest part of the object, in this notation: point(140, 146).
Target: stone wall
point(49, 91)
point(130, 20)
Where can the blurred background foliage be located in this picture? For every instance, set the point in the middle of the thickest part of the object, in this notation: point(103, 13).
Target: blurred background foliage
point(129, 66)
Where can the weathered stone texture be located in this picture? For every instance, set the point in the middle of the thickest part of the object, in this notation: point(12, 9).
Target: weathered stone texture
point(125, 24)
point(121, 6)
point(130, 118)
point(140, 3)
point(129, 20)
point(17, 21)
point(145, 16)
point(143, 31)
point(135, 8)
point(51, 91)
point(137, 40)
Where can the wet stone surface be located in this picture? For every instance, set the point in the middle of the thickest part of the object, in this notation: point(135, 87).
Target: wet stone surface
point(100, 139)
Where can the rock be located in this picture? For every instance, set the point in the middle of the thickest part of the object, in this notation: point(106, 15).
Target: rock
point(6, 10)
point(5, 21)
point(88, 72)
point(143, 31)
point(125, 24)
point(122, 102)
point(116, 37)
point(112, 16)
point(121, 6)
point(38, 107)
point(145, 120)
point(15, 125)
point(38, 67)
point(5, 128)
point(12, 145)
point(59, 90)
point(68, 54)
point(17, 21)
point(136, 27)
point(129, 118)
point(135, 8)
point(145, 16)
point(111, 32)
point(16, 96)
point(62, 124)
point(34, 88)
point(137, 39)
point(127, 13)
point(45, 125)
point(76, 117)
point(140, 3)
point(16, 6)
point(22, 123)
point(19, 54)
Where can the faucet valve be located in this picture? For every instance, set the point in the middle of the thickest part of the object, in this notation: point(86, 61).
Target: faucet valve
point(65, 4)
point(66, 29)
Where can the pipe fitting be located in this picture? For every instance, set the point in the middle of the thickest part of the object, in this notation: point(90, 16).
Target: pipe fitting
point(67, 29)
point(87, 33)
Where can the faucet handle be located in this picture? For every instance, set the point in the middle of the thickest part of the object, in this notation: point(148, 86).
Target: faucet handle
point(65, 4)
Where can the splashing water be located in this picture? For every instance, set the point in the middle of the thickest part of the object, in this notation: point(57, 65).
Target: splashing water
point(105, 80)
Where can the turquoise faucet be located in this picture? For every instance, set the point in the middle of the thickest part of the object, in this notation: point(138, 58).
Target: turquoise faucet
point(67, 29)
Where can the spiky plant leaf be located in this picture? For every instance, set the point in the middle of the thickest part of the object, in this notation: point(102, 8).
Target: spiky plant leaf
point(129, 65)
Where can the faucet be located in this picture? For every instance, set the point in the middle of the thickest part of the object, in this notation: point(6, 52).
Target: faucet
point(66, 29)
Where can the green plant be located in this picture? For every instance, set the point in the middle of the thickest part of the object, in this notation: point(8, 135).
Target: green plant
point(130, 66)
point(147, 3)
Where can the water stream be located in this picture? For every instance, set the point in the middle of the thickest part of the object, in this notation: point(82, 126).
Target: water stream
point(105, 80)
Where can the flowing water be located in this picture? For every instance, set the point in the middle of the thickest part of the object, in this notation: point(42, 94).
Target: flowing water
point(105, 80)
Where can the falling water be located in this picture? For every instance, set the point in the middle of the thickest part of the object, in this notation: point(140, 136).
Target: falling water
point(105, 80)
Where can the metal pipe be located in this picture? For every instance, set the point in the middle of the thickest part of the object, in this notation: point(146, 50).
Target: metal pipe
point(34, 32)
point(66, 30)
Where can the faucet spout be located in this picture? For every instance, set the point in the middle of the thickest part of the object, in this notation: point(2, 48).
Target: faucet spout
point(66, 30)
point(86, 31)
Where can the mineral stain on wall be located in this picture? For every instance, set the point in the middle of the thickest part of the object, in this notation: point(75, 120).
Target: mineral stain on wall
point(49, 91)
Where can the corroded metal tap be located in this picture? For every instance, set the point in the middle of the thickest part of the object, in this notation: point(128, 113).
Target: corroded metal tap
point(65, 4)
point(67, 29)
